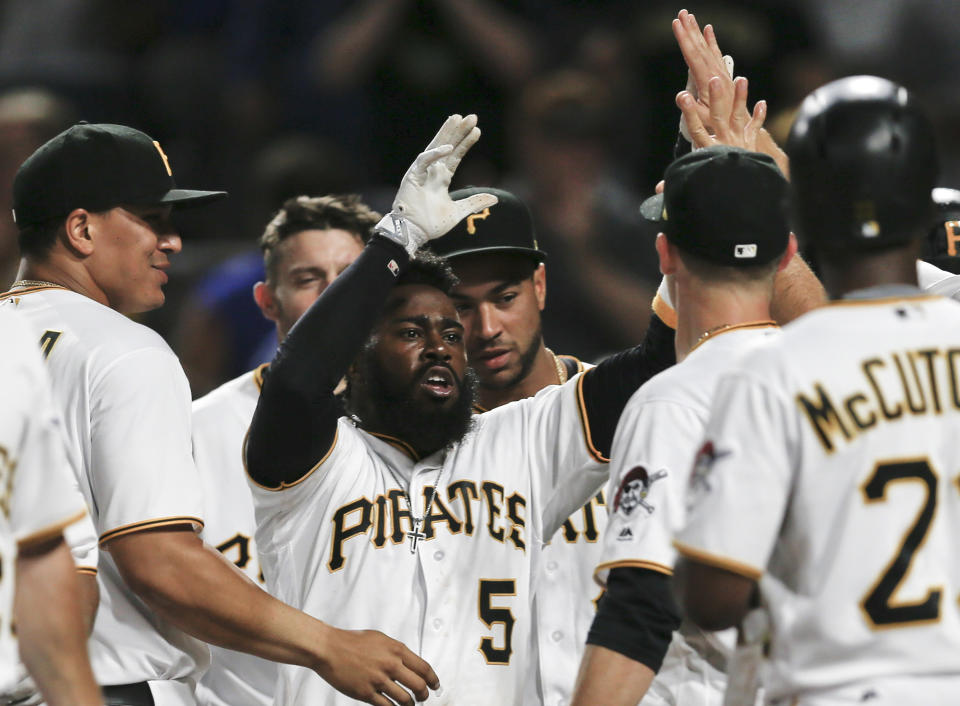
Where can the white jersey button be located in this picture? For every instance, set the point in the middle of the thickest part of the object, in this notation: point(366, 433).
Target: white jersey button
point(557, 636)
point(437, 623)
point(551, 566)
point(438, 555)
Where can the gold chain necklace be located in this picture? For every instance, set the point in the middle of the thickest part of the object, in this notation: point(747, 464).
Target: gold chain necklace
point(34, 283)
point(727, 327)
point(560, 367)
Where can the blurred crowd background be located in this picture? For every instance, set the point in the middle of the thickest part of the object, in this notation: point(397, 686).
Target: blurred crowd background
point(274, 98)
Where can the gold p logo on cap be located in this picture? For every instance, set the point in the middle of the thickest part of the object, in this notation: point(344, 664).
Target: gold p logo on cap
point(471, 226)
point(953, 237)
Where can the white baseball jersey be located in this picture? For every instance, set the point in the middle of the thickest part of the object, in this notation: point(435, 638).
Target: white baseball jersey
point(220, 423)
point(126, 408)
point(336, 543)
point(565, 600)
point(38, 494)
point(830, 474)
point(657, 438)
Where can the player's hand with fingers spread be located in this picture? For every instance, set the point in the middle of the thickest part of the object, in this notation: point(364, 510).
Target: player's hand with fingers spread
point(369, 666)
point(704, 60)
point(710, 79)
point(730, 119)
point(423, 209)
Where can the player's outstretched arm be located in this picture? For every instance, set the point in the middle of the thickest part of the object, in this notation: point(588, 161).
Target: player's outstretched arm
point(50, 628)
point(296, 417)
point(606, 388)
point(610, 678)
point(196, 589)
point(628, 639)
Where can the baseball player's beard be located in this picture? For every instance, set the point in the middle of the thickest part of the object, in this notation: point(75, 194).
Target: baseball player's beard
point(381, 405)
point(527, 359)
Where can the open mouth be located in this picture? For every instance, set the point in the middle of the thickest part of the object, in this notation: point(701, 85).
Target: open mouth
point(438, 382)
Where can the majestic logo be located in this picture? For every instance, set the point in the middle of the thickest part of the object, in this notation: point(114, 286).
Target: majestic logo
point(634, 489)
point(471, 220)
point(626, 535)
point(166, 162)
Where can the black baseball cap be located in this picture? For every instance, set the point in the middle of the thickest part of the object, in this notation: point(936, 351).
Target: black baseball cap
point(725, 205)
point(505, 227)
point(97, 167)
point(942, 247)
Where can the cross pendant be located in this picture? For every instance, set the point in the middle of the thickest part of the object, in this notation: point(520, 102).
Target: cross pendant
point(415, 534)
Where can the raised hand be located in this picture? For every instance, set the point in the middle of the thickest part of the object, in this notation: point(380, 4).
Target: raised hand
point(369, 666)
point(423, 209)
point(703, 58)
point(719, 101)
point(730, 120)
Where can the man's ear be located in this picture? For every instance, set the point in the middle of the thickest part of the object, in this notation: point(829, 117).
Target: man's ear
point(540, 285)
point(266, 301)
point(77, 232)
point(788, 255)
point(668, 257)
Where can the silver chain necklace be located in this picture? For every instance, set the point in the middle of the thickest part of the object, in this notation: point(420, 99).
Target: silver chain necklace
point(415, 534)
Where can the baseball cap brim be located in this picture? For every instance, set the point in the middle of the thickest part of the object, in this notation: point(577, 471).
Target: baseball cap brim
point(652, 208)
point(538, 255)
point(185, 198)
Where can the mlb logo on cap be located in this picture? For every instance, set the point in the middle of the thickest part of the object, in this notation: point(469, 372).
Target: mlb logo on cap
point(717, 197)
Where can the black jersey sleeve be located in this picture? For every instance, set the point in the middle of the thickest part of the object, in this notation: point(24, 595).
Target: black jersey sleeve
point(606, 388)
point(636, 616)
point(295, 422)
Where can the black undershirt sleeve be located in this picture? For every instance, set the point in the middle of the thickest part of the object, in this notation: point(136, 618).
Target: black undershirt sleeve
point(636, 616)
point(295, 422)
point(607, 387)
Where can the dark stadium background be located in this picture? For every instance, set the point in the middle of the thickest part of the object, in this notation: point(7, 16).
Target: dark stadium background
point(271, 98)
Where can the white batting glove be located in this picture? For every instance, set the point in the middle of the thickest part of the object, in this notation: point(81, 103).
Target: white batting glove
point(423, 210)
point(692, 89)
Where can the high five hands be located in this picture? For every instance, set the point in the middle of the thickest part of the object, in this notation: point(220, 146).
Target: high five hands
point(717, 112)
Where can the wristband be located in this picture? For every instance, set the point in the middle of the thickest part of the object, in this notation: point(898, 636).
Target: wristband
point(396, 227)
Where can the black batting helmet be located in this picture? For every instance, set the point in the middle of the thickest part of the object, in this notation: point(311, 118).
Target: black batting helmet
point(863, 160)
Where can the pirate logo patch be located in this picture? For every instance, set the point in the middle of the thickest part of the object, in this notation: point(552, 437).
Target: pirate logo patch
point(701, 466)
point(699, 484)
point(634, 489)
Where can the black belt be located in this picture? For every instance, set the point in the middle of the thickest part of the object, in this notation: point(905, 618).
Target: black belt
point(128, 695)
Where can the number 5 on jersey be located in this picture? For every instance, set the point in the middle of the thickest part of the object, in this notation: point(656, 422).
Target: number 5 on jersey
point(493, 615)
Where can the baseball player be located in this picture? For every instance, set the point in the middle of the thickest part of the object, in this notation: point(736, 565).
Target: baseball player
point(93, 209)
point(724, 239)
point(39, 592)
point(499, 296)
point(412, 514)
point(826, 485)
point(305, 246)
